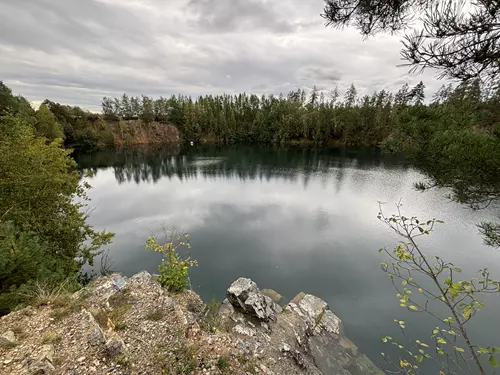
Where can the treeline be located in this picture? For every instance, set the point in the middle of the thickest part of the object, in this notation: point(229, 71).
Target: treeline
point(313, 118)
point(317, 118)
point(44, 238)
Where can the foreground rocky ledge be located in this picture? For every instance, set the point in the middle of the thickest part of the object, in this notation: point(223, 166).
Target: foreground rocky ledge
point(122, 325)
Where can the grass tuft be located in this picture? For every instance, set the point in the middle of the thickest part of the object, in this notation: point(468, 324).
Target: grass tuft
point(50, 337)
point(222, 363)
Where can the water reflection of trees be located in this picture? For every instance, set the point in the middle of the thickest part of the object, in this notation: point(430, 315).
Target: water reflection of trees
point(244, 163)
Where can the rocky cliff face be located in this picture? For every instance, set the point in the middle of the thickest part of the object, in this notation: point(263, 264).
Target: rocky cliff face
point(134, 133)
point(122, 325)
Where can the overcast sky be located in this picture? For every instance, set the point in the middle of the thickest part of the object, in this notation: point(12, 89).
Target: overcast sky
point(77, 51)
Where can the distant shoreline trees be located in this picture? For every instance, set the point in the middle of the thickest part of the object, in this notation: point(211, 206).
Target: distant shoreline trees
point(297, 117)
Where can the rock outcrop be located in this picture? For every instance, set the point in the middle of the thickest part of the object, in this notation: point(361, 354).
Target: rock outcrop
point(305, 338)
point(128, 326)
point(244, 295)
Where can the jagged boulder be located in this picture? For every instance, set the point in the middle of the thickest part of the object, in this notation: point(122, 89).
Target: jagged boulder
point(316, 313)
point(306, 337)
point(244, 295)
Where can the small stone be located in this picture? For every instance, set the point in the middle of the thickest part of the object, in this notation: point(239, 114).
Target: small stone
point(8, 339)
point(6, 362)
point(285, 348)
point(119, 282)
point(81, 359)
point(115, 346)
point(265, 370)
point(47, 353)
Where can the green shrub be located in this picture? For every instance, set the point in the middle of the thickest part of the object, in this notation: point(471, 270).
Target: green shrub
point(174, 270)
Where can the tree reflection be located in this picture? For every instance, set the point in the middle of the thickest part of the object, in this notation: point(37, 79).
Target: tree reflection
point(149, 165)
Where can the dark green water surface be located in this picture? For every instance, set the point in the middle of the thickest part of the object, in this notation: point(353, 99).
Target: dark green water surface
point(291, 220)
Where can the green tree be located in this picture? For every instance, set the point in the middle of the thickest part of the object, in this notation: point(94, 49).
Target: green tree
point(46, 124)
point(38, 214)
point(147, 113)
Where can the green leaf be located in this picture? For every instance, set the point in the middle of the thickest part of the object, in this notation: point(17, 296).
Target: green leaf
point(413, 307)
point(483, 351)
point(440, 340)
point(493, 361)
point(495, 349)
point(460, 350)
point(435, 331)
point(419, 358)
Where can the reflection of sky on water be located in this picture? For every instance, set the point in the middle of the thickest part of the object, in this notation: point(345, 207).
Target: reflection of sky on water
point(295, 221)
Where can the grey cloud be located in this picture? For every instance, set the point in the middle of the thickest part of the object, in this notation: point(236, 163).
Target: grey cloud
point(238, 15)
point(321, 74)
point(76, 52)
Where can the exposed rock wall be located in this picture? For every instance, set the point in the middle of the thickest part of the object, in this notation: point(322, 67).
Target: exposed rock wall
point(134, 133)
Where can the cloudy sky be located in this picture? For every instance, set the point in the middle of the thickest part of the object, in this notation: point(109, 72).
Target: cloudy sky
point(77, 51)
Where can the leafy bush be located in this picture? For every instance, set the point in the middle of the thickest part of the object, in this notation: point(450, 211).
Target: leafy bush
point(174, 270)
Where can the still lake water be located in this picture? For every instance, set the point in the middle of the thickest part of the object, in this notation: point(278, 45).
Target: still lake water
point(292, 220)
